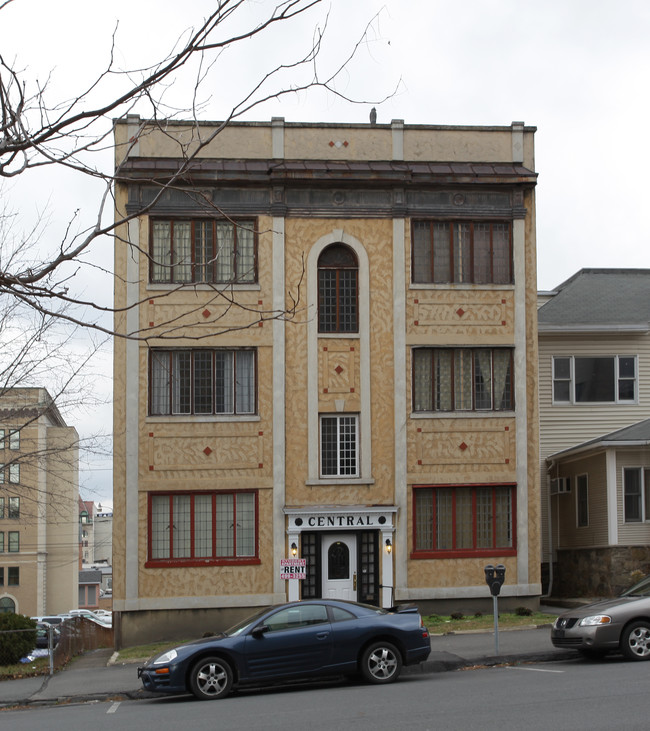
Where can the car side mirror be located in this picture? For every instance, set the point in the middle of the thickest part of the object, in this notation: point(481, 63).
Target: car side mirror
point(260, 631)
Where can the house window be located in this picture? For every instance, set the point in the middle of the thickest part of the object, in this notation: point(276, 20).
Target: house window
point(14, 473)
point(463, 379)
point(594, 379)
point(203, 250)
point(13, 510)
point(14, 439)
point(2, 542)
point(464, 520)
point(446, 252)
point(339, 439)
point(582, 498)
point(338, 300)
point(636, 488)
point(13, 576)
point(202, 382)
point(13, 542)
point(194, 529)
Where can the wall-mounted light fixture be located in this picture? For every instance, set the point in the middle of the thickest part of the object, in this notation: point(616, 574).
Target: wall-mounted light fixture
point(389, 546)
point(294, 549)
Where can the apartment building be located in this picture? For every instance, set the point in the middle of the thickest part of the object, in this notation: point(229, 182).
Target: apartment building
point(331, 362)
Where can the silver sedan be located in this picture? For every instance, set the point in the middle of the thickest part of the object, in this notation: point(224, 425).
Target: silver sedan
point(613, 625)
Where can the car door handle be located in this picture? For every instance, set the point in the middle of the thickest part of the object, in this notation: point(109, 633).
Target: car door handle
point(322, 635)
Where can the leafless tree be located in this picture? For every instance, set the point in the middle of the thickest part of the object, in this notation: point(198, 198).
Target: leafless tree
point(47, 272)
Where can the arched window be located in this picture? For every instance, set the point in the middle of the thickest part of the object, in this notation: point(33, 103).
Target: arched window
point(338, 297)
point(7, 605)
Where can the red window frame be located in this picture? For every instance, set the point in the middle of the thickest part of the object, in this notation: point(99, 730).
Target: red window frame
point(195, 560)
point(465, 552)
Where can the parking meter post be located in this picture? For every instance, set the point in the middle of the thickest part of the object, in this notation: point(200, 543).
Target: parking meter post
point(494, 578)
point(495, 609)
point(50, 647)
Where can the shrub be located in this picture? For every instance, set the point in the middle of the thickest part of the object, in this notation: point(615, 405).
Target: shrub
point(523, 612)
point(456, 615)
point(14, 644)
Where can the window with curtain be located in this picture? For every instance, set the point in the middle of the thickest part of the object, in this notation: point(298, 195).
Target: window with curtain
point(202, 382)
point(445, 252)
point(203, 527)
point(464, 520)
point(463, 379)
point(203, 251)
point(338, 278)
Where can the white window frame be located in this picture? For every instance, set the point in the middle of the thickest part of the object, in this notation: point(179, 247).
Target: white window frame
point(571, 380)
point(340, 473)
point(644, 493)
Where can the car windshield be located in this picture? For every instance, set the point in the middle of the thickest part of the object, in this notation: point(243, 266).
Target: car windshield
point(239, 628)
point(641, 588)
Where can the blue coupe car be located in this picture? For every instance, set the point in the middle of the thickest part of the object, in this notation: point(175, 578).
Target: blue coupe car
point(302, 639)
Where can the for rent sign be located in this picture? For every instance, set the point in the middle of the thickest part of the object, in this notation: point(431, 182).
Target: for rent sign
point(293, 568)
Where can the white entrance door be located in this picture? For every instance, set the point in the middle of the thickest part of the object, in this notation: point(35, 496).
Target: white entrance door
point(339, 562)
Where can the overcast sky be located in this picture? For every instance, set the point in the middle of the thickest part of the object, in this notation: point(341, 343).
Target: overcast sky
point(576, 69)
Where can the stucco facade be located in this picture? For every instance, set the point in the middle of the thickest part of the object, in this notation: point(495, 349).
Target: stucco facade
point(339, 442)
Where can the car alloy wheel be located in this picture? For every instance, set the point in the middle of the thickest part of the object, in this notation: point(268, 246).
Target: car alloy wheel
point(635, 641)
point(211, 678)
point(381, 663)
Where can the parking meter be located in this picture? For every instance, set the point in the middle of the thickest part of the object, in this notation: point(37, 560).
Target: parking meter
point(494, 577)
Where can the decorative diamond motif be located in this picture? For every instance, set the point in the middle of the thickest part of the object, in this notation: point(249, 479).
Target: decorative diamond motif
point(460, 312)
point(206, 313)
point(463, 446)
point(338, 370)
point(207, 451)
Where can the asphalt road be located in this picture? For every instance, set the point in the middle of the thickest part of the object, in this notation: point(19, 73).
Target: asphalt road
point(574, 694)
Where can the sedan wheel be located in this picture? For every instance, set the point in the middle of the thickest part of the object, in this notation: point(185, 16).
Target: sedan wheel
point(211, 678)
point(635, 641)
point(381, 663)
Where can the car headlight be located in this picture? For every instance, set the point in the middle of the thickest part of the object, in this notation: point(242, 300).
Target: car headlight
point(165, 658)
point(595, 619)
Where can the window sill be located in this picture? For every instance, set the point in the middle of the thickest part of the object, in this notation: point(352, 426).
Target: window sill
point(201, 418)
point(187, 562)
point(461, 286)
point(462, 414)
point(338, 481)
point(201, 287)
point(476, 553)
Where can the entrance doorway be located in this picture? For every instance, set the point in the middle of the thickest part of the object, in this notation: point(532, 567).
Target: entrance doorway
point(339, 566)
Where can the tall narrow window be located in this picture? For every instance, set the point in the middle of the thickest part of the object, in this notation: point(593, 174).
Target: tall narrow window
point(338, 278)
point(582, 498)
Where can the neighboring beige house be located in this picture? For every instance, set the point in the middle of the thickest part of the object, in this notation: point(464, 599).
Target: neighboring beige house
point(39, 525)
point(333, 358)
point(594, 395)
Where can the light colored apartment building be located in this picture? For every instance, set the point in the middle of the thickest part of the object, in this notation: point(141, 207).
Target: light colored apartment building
point(39, 517)
point(332, 357)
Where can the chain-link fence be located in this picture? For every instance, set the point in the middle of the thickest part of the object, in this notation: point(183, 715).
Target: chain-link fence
point(57, 643)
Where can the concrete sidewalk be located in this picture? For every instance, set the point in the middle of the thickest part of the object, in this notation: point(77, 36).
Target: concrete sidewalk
point(95, 675)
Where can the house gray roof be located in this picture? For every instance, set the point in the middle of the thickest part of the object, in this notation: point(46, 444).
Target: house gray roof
point(635, 435)
point(599, 300)
point(90, 576)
